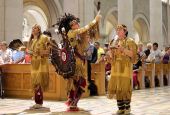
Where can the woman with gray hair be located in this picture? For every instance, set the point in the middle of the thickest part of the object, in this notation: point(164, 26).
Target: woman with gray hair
point(5, 53)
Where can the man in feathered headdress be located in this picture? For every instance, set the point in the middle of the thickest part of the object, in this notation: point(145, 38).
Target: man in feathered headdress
point(68, 27)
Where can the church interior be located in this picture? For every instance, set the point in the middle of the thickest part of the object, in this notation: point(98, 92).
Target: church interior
point(148, 24)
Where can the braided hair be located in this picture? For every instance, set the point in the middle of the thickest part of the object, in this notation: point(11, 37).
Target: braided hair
point(65, 22)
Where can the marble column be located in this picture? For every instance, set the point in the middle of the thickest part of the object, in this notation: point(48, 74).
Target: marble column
point(168, 19)
point(13, 19)
point(88, 11)
point(156, 22)
point(2, 20)
point(71, 7)
point(125, 14)
point(74, 7)
point(84, 9)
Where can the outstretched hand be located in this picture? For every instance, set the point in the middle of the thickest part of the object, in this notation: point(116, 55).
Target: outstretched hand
point(98, 16)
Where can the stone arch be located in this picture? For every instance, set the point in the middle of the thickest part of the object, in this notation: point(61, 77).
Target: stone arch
point(55, 9)
point(141, 28)
point(109, 23)
point(33, 15)
point(43, 12)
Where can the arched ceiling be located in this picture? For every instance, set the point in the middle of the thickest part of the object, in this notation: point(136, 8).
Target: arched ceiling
point(42, 12)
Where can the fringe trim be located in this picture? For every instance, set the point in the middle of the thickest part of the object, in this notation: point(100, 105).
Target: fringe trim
point(121, 87)
point(40, 78)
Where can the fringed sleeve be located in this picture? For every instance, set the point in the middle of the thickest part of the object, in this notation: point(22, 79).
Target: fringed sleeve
point(133, 47)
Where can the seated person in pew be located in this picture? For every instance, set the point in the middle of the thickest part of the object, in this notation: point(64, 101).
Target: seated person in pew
point(18, 56)
point(18, 51)
point(5, 53)
point(148, 50)
point(156, 57)
point(91, 55)
point(165, 61)
point(136, 68)
point(166, 56)
point(27, 57)
point(105, 58)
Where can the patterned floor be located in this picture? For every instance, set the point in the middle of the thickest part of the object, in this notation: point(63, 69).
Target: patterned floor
point(144, 102)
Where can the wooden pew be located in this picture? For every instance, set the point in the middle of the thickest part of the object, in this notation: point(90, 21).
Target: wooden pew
point(149, 70)
point(159, 72)
point(169, 73)
point(141, 78)
point(152, 69)
point(98, 74)
point(18, 83)
point(166, 71)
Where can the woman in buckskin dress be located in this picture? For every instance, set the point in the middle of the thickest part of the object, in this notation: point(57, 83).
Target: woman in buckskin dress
point(39, 51)
point(123, 55)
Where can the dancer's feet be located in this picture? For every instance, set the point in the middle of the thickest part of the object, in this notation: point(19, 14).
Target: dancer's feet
point(127, 111)
point(36, 106)
point(68, 103)
point(120, 112)
point(73, 108)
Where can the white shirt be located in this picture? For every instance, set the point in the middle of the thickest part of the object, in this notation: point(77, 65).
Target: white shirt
point(6, 56)
point(155, 55)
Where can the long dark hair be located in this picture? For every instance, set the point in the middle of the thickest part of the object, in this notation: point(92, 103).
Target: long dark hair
point(32, 36)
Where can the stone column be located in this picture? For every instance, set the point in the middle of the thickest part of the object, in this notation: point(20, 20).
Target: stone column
point(168, 19)
point(76, 8)
point(156, 22)
point(13, 19)
point(88, 11)
point(84, 9)
point(125, 14)
point(2, 20)
point(81, 12)
point(71, 7)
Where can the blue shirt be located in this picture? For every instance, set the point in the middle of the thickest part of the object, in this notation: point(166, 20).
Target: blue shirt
point(17, 55)
point(89, 51)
